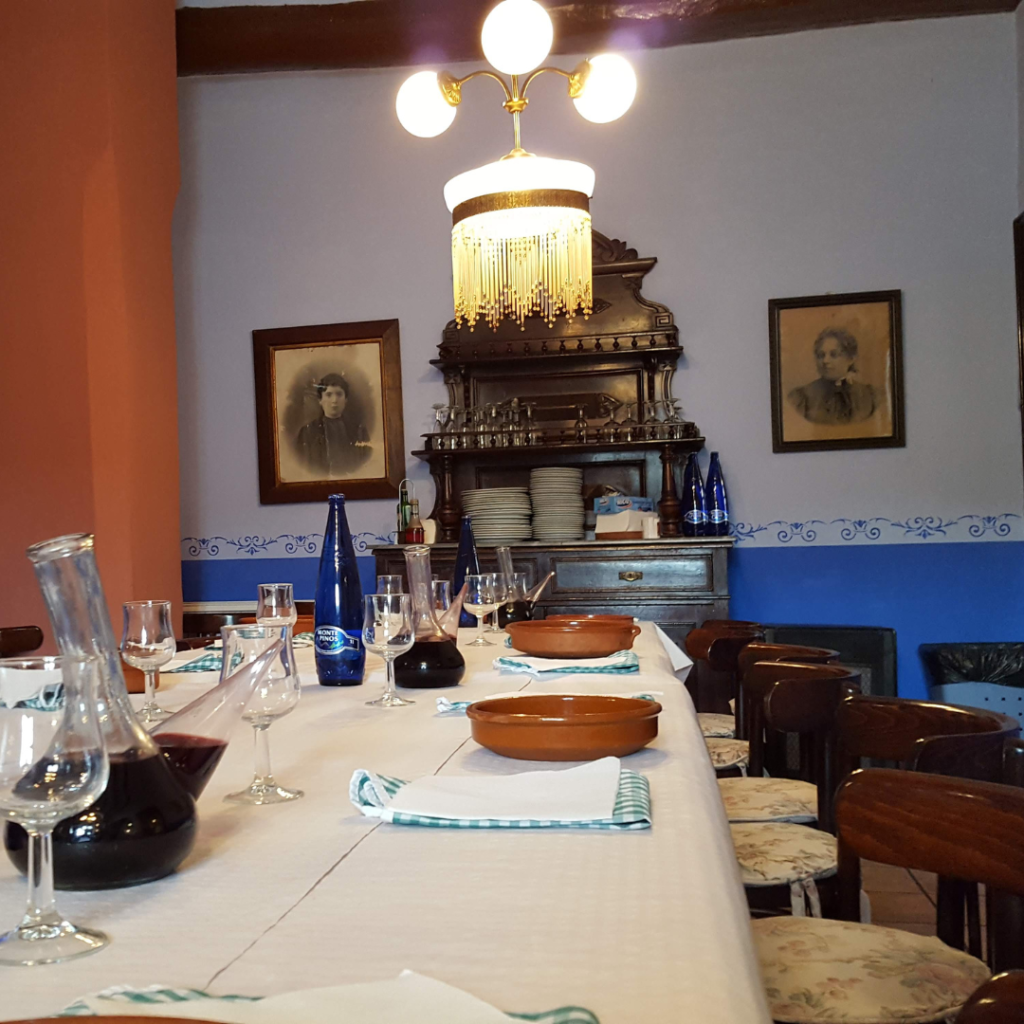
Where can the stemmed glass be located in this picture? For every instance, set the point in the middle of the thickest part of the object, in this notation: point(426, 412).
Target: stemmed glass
point(501, 595)
point(388, 631)
point(441, 592)
point(274, 698)
point(53, 764)
point(629, 425)
point(480, 601)
point(148, 643)
point(390, 585)
point(276, 605)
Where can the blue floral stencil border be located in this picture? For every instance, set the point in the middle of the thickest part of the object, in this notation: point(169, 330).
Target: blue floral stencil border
point(880, 529)
point(254, 545)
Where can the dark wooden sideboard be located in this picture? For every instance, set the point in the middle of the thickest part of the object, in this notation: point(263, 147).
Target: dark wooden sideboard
point(675, 582)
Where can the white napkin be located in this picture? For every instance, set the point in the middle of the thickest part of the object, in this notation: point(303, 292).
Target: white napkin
point(675, 654)
point(18, 684)
point(585, 793)
point(409, 997)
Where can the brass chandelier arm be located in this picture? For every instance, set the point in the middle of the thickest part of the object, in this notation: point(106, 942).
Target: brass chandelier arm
point(577, 77)
point(451, 87)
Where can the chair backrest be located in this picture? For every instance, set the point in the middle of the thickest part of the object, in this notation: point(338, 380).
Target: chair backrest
point(790, 697)
point(924, 735)
point(999, 1001)
point(712, 682)
point(957, 828)
point(17, 640)
point(720, 624)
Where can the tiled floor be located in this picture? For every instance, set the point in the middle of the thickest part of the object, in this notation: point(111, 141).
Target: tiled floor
point(900, 898)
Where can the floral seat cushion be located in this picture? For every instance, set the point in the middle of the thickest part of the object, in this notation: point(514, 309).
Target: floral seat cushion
point(781, 852)
point(825, 971)
point(769, 799)
point(717, 725)
point(728, 753)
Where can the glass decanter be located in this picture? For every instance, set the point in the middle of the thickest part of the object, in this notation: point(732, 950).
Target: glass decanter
point(434, 659)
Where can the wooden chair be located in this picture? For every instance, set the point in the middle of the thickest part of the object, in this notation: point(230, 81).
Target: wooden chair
point(999, 1001)
point(956, 828)
point(712, 688)
point(18, 640)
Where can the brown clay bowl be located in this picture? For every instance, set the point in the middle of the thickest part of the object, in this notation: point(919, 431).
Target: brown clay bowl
point(553, 727)
point(577, 639)
point(103, 1019)
point(595, 617)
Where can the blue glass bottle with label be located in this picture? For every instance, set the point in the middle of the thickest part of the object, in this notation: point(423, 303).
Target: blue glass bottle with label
point(466, 564)
point(717, 500)
point(695, 513)
point(338, 621)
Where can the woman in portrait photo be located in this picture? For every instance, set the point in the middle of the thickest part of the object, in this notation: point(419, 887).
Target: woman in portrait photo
point(836, 397)
point(331, 444)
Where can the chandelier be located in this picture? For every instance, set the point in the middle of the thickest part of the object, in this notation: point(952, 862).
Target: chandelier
point(521, 232)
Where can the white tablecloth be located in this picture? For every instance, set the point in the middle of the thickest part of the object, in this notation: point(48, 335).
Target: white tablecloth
point(639, 927)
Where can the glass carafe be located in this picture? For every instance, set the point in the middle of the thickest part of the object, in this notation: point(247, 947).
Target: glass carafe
point(434, 659)
point(144, 824)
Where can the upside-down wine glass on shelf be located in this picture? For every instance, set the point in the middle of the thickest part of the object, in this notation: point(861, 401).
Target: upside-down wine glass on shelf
point(148, 643)
point(53, 765)
point(480, 601)
point(275, 696)
point(388, 631)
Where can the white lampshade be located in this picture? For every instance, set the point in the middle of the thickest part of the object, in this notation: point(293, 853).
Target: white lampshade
point(520, 174)
point(517, 36)
point(421, 106)
point(609, 89)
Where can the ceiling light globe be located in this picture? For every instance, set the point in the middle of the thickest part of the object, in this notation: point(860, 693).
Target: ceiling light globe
point(517, 36)
point(421, 106)
point(609, 89)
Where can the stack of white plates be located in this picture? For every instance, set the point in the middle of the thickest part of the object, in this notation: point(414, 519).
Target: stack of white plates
point(557, 497)
point(500, 514)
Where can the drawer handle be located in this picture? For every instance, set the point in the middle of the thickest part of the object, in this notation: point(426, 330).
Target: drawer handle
point(631, 577)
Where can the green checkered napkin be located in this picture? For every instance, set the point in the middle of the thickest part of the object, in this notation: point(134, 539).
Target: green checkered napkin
point(211, 659)
point(371, 793)
point(157, 994)
point(622, 663)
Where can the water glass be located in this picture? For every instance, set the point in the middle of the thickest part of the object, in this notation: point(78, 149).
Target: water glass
point(274, 698)
point(501, 595)
point(276, 605)
point(53, 764)
point(441, 591)
point(480, 601)
point(390, 585)
point(148, 643)
point(388, 631)
point(519, 586)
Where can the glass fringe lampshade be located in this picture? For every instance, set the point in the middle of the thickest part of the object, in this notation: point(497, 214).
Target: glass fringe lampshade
point(521, 240)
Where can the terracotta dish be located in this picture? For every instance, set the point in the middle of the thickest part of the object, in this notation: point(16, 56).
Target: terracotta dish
point(595, 617)
point(552, 727)
point(117, 1019)
point(576, 639)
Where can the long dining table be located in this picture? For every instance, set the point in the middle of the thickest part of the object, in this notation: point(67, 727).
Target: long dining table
point(640, 927)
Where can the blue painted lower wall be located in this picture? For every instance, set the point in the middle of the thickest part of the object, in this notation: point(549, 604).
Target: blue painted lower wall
point(928, 593)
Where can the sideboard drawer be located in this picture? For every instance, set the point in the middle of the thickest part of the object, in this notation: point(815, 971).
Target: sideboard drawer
point(690, 573)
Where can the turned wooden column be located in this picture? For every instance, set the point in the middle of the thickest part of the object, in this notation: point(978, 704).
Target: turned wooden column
point(446, 508)
point(669, 506)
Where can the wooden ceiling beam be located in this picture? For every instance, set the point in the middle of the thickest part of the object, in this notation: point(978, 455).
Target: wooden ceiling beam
point(389, 33)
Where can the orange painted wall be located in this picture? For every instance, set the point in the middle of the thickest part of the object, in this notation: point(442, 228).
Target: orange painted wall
point(88, 376)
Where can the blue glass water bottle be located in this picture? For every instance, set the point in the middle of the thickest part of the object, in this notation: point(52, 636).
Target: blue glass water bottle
point(338, 622)
point(466, 564)
point(695, 512)
point(717, 500)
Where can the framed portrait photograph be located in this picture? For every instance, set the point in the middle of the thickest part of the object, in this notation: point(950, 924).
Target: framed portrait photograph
point(836, 371)
point(329, 411)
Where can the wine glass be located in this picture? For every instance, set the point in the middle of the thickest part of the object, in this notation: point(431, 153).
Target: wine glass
point(480, 601)
point(276, 605)
point(390, 585)
point(387, 631)
point(501, 592)
point(53, 764)
point(441, 592)
point(275, 697)
point(147, 643)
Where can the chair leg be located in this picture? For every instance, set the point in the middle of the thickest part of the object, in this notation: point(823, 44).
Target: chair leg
point(950, 902)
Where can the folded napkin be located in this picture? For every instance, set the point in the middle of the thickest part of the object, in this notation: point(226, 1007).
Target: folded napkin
point(619, 664)
point(680, 661)
point(458, 707)
point(601, 794)
point(409, 997)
